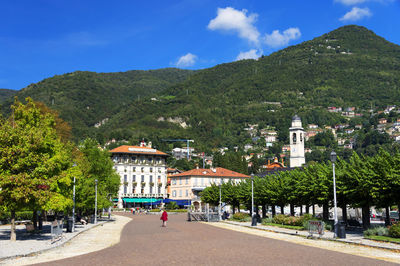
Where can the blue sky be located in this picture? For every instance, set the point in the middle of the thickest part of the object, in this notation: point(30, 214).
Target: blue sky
point(43, 38)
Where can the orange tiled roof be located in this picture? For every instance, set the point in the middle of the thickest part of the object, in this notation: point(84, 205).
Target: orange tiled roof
point(137, 150)
point(219, 172)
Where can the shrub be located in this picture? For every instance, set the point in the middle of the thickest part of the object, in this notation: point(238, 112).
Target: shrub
point(155, 210)
point(171, 205)
point(394, 230)
point(377, 231)
point(279, 219)
point(241, 217)
point(267, 220)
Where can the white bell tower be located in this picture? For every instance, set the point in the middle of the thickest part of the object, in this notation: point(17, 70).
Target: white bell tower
point(296, 134)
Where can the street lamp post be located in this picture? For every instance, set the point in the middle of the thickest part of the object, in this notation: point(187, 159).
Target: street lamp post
point(95, 204)
point(252, 199)
point(333, 160)
point(73, 207)
point(220, 202)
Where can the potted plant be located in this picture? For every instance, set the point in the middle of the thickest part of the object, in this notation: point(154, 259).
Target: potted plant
point(134, 184)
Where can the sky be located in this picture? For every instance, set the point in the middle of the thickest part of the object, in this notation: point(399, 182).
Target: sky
point(43, 38)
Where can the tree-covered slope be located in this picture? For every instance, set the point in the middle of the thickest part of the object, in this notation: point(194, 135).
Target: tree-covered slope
point(6, 94)
point(86, 98)
point(350, 66)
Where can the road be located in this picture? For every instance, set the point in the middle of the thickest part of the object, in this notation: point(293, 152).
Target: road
point(145, 242)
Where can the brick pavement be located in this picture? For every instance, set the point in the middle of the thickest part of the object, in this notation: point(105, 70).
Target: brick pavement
point(145, 242)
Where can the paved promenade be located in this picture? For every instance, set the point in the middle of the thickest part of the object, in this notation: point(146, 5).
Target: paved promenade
point(139, 240)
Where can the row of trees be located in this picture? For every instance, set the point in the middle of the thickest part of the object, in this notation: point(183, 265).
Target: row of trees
point(360, 182)
point(38, 164)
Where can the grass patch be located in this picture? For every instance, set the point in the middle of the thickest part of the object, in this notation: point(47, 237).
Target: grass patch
point(383, 238)
point(295, 227)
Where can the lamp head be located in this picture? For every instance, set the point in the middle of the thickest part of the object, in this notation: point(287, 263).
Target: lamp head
point(333, 156)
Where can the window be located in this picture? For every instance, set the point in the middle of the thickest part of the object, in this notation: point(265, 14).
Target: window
point(159, 179)
point(173, 181)
point(180, 193)
point(174, 193)
point(134, 169)
point(125, 189)
point(195, 181)
point(151, 189)
point(134, 178)
point(159, 190)
point(151, 179)
point(202, 181)
point(151, 169)
point(294, 138)
point(187, 180)
point(142, 169)
point(180, 181)
point(125, 178)
point(187, 193)
point(142, 178)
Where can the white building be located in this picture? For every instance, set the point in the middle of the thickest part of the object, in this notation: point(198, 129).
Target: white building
point(182, 153)
point(143, 175)
point(296, 134)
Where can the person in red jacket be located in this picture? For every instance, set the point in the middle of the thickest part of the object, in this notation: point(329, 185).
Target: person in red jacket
point(164, 218)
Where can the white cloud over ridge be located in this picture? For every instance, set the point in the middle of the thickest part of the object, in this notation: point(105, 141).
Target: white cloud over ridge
point(251, 54)
point(277, 39)
point(355, 14)
point(230, 19)
point(186, 60)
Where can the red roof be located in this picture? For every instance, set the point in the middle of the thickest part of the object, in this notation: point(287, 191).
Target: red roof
point(217, 172)
point(137, 150)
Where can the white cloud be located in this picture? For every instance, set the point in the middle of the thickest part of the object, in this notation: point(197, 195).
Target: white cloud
point(277, 39)
point(351, 2)
point(186, 60)
point(356, 13)
point(230, 19)
point(252, 54)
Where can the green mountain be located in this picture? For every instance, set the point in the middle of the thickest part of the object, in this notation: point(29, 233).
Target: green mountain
point(86, 98)
point(350, 66)
point(6, 94)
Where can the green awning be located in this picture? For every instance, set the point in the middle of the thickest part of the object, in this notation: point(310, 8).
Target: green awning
point(139, 200)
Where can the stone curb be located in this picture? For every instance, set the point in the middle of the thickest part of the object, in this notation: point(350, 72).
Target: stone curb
point(57, 246)
point(328, 239)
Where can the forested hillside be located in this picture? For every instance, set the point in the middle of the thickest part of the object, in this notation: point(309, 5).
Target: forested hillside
point(350, 66)
point(86, 98)
point(6, 94)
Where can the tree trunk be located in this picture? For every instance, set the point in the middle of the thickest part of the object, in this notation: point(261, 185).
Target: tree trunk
point(273, 211)
point(41, 220)
point(301, 210)
point(264, 211)
point(387, 218)
point(34, 219)
point(291, 209)
point(307, 209)
point(366, 216)
point(325, 211)
point(344, 212)
point(313, 209)
point(13, 235)
point(282, 209)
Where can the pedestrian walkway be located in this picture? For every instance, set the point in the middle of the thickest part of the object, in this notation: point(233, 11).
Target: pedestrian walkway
point(29, 249)
point(352, 237)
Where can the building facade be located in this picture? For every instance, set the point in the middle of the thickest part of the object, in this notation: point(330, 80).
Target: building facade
point(296, 134)
point(143, 175)
point(186, 186)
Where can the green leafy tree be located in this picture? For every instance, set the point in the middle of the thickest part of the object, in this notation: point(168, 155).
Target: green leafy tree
point(34, 162)
point(95, 164)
